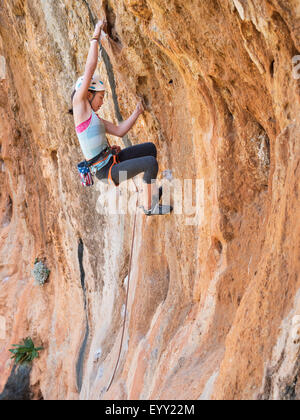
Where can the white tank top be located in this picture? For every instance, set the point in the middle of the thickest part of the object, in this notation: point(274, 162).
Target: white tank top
point(91, 136)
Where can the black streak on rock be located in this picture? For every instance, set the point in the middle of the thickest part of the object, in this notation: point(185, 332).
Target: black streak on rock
point(80, 361)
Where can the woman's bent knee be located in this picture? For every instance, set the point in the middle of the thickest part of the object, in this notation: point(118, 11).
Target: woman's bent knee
point(152, 148)
point(151, 162)
point(151, 169)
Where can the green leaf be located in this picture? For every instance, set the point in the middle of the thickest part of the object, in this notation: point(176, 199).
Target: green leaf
point(28, 342)
point(22, 350)
point(19, 358)
point(26, 352)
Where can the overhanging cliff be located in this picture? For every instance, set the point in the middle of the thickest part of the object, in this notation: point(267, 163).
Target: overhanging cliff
point(214, 306)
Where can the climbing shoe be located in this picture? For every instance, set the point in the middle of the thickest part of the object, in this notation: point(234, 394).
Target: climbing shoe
point(158, 209)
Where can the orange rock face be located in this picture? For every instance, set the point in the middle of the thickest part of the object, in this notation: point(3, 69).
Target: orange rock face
point(214, 304)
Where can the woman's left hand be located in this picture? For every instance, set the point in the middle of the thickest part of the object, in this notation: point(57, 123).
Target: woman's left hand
point(100, 25)
point(116, 148)
point(140, 108)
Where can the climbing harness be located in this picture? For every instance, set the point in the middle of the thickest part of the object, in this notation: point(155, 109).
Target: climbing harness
point(87, 169)
point(99, 163)
point(127, 293)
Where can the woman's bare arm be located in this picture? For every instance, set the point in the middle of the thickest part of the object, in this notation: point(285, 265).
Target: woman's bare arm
point(122, 129)
point(91, 64)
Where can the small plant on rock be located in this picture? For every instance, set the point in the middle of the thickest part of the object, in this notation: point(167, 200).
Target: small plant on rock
point(40, 272)
point(25, 352)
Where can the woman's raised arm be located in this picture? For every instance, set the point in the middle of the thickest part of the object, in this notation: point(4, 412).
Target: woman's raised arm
point(91, 62)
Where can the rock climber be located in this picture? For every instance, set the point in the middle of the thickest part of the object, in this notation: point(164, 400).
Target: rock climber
point(106, 161)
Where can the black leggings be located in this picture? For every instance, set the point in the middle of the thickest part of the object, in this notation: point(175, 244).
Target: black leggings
point(134, 160)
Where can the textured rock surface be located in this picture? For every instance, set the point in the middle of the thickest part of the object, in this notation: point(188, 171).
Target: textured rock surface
point(214, 309)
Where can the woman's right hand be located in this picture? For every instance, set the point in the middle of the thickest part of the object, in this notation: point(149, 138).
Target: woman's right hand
point(116, 148)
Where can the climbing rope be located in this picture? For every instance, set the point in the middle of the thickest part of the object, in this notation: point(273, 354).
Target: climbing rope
point(127, 293)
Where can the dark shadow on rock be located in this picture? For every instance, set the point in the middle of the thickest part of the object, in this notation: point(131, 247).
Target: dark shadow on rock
point(18, 385)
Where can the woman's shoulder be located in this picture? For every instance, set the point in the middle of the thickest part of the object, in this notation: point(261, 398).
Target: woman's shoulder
point(81, 113)
point(98, 117)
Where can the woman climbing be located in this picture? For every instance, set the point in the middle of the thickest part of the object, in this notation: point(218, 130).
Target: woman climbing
point(106, 161)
